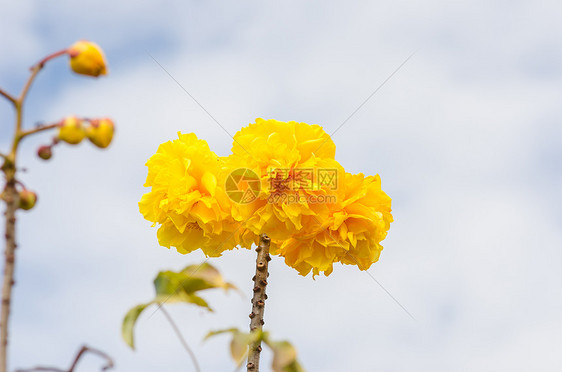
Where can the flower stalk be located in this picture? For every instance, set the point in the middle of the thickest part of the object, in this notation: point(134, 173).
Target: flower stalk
point(25, 199)
point(11, 198)
point(258, 302)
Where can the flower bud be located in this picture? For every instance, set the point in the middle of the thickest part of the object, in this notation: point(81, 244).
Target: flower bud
point(100, 132)
point(27, 199)
point(87, 58)
point(71, 130)
point(45, 152)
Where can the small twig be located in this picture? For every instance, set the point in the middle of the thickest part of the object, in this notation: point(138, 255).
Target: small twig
point(8, 96)
point(85, 349)
point(50, 369)
point(258, 302)
point(81, 352)
point(42, 62)
point(34, 71)
point(182, 340)
point(37, 129)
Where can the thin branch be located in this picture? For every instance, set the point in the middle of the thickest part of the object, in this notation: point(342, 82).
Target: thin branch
point(38, 129)
point(258, 302)
point(8, 96)
point(182, 340)
point(42, 62)
point(83, 350)
point(49, 369)
point(11, 198)
point(34, 71)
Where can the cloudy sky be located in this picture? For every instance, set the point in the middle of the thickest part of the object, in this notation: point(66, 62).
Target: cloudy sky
point(466, 136)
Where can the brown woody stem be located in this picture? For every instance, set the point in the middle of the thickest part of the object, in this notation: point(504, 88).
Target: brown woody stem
point(85, 349)
point(11, 198)
point(8, 96)
point(258, 302)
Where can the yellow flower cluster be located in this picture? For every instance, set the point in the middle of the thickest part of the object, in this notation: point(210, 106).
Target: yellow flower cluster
point(281, 179)
point(350, 233)
point(187, 199)
point(73, 130)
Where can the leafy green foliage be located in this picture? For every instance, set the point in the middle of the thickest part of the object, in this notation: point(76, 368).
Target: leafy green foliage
point(173, 287)
point(284, 353)
point(238, 344)
point(129, 324)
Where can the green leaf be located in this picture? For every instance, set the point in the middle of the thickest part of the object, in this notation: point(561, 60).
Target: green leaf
point(128, 325)
point(182, 286)
point(220, 332)
point(194, 299)
point(169, 288)
point(293, 367)
point(284, 353)
point(209, 274)
point(238, 344)
point(190, 280)
point(284, 356)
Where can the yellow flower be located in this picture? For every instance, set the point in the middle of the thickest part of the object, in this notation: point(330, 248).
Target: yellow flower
point(293, 161)
point(281, 179)
point(71, 130)
point(188, 200)
point(351, 234)
point(87, 58)
point(100, 132)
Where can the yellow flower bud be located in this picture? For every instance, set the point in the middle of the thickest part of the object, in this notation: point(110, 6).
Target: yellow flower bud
point(27, 199)
point(71, 130)
point(100, 132)
point(87, 58)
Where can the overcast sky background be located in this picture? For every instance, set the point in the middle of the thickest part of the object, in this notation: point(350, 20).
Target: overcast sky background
point(467, 138)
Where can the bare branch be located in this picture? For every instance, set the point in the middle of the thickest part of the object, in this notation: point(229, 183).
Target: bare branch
point(38, 129)
point(85, 349)
point(8, 96)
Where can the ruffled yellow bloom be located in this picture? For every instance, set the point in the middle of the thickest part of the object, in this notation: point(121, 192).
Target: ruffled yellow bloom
point(86, 58)
point(281, 179)
point(188, 200)
point(71, 130)
point(351, 233)
point(294, 162)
